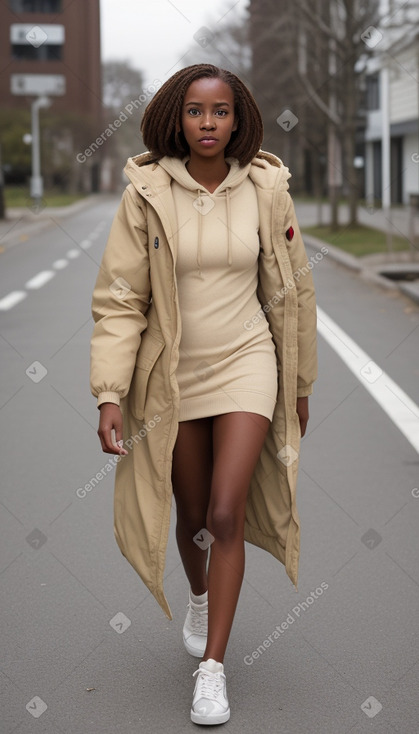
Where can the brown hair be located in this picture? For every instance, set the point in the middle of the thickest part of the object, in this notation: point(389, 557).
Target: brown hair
point(163, 115)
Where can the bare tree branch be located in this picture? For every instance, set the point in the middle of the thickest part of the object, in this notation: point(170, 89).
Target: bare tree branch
point(325, 108)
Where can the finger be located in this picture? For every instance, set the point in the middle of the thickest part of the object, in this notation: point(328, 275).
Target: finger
point(108, 447)
point(122, 451)
point(106, 439)
point(119, 439)
point(303, 427)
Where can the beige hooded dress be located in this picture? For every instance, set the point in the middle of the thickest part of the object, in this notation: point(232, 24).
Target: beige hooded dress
point(224, 366)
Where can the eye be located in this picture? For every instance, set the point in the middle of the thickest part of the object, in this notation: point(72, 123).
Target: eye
point(192, 112)
point(221, 113)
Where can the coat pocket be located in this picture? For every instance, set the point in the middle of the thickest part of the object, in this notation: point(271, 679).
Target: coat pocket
point(150, 349)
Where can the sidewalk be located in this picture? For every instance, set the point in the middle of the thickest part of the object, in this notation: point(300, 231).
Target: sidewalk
point(397, 221)
point(371, 267)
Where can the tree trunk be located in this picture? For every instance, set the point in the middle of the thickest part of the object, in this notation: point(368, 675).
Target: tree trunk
point(334, 177)
point(353, 193)
point(349, 136)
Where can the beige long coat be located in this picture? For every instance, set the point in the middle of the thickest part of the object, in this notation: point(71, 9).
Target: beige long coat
point(134, 355)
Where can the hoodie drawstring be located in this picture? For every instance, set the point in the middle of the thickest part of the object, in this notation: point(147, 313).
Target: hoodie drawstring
point(229, 243)
point(229, 248)
point(200, 215)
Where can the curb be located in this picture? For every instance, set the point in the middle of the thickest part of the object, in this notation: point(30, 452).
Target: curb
point(366, 273)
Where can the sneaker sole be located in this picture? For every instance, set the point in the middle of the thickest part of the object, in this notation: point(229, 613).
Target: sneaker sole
point(207, 721)
point(197, 652)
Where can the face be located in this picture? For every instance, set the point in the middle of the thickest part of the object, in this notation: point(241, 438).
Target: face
point(208, 117)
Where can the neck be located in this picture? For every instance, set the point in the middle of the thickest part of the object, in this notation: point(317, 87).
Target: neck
point(209, 172)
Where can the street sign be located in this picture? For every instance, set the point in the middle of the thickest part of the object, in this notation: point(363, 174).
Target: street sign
point(37, 84)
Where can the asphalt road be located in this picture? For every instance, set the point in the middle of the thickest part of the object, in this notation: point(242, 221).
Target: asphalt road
point(85, 648)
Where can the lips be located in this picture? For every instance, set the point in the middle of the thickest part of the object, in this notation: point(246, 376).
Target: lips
point(207, 138)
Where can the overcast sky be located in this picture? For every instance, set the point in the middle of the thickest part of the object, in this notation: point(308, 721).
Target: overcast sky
point(154, 34)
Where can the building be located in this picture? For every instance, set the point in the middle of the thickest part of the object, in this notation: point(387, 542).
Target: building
point(52, 48)
point(392, 93)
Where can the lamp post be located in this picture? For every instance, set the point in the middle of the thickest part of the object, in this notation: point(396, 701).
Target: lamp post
point(37, 186)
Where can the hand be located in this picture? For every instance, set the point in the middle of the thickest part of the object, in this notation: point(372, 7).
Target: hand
point(111, 418)
point(302, 410)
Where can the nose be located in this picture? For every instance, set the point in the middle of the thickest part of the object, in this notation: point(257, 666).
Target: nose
point(207, 122)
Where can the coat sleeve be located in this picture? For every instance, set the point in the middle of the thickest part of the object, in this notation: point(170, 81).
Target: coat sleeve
point(120, 301)
point(307, 316)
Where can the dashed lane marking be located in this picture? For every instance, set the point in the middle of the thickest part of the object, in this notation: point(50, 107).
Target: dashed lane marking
point(11, 300)
point(60, 264)
point(40, 279)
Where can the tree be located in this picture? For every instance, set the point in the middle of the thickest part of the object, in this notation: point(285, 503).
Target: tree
point(226, 46)
point(120, 83)
point(307, 53)
point(125, 98)
point(16, 153)
point(341, 29)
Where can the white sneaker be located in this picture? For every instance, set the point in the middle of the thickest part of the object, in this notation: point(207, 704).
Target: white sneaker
point(210, 703)
point(195, 629)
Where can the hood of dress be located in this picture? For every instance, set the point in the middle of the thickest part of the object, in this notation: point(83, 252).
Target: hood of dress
point(176, 168)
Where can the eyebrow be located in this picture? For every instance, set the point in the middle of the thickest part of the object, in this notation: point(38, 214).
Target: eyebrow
point(216, 104)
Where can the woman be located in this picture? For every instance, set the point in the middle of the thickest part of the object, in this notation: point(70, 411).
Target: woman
point(204, 355)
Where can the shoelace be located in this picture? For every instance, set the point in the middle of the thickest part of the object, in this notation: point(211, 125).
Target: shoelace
point(210, 684)
point(198, 620)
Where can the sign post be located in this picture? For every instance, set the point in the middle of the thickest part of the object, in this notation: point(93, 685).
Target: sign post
point(39, 86)
point(37, 186)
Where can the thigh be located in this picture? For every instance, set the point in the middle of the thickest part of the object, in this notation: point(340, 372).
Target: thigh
point(237, 442)
point(192, 466)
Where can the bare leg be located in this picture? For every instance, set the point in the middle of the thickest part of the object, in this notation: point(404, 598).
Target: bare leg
point(237, 442)
point(191, 479)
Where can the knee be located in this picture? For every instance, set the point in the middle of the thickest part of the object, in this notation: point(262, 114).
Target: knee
point(225, 523)
point(190, 522)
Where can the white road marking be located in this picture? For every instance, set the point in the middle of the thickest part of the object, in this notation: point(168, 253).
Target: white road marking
point(60, 264)
point(40, 279)
point(392, 399)
point(12, 299)
point(45, 276)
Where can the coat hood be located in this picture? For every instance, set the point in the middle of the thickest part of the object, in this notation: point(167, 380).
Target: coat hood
point(264, 170)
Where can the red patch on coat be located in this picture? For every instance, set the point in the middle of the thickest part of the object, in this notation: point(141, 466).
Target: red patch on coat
point(289, 234)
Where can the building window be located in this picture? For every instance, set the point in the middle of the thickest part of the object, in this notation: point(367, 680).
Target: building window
point(373, 92)
point(36, 6)
point(42, 53)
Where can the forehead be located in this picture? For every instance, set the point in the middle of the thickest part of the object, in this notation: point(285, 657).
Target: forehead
point(209, 90)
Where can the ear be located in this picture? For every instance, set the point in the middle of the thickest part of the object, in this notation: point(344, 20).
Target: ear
point(236, 124)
